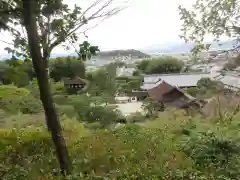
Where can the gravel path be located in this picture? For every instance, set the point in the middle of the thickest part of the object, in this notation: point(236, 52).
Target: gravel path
point(128, 108)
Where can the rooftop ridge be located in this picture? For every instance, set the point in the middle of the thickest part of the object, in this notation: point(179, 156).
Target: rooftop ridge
point(172, 74)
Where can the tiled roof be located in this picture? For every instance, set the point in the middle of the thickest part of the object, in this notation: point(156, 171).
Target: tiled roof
point(179, 80)
point(76, 80)
point(147, 86)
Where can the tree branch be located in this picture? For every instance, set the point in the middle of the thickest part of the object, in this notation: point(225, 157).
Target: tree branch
point(6, 42)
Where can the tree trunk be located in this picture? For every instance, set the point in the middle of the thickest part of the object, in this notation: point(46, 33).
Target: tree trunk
point(45, 93)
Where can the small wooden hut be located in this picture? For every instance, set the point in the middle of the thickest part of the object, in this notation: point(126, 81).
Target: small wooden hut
point(75, 84)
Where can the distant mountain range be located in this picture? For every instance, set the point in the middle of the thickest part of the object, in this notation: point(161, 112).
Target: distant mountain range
point(182, 47)
point(170, 48)
point(101, 55)
point(127, 52)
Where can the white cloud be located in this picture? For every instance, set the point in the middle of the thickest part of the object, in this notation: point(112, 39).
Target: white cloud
point(144, 23)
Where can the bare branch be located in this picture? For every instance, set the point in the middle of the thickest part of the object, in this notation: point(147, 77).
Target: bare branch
point(83, 20)
point(6, 42)
point(95, 15)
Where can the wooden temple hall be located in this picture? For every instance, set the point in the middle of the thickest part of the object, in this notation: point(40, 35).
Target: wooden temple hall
point(168, 89)
point(75, 84)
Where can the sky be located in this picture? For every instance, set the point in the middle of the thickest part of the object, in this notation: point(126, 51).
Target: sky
point(143, 23)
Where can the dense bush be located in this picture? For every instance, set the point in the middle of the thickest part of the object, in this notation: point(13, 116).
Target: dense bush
point(206, 88)
point(63, 67)
point(136, 117)
point(126, 84)
point(105, 154)
point(215, 154)
point(60, 99)
point(173, 148)
point(67, 110)
point(30, 105)
point(58, 88)
point(13, 100)
point(92, 109)
point(9, 90)
point(160, 65)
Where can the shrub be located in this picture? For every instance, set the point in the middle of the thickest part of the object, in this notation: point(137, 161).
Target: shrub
point(193, 91)
point(60, 99)
point(23, 120)
point(58, 88)
point(11, 103)
point(160, 65)
point(67, 110)
point(136, 117)
point(104, 115)
point(214, 154)
point(9, 90)
point(14, 99)
point(30, 105)
point(21, 149)
point(33, 88)
point(131, 152)
point(25, 104)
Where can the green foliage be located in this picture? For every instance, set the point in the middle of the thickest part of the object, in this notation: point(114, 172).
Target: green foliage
point(13, 100)
point(30, 105)
point(205, 82)
point(60, 99)
point(93, 109)
point(57, 88)
point(136, 73)
point(18, 78)
point(8, 90)
point(193, 91)
point(143, 64)
point(33, 87)
point(67, 110)
point(152, 107)
point(86, 51)
point(136, 118)
point(26, 104)
point(69, 67)
point(210, 18)
point(17, 72)
point(171, 148)
point(126, 84)
point(160, 65)
point(103, 81)
point(104, 115)
point(206, 88)
point(214, 153)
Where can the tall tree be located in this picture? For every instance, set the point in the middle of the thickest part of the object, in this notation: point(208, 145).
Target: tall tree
point(211, 18)
point(38, 26)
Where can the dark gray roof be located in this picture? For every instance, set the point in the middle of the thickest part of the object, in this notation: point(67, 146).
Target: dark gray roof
point(147, 86)
point(76, 80)
point(179, 79)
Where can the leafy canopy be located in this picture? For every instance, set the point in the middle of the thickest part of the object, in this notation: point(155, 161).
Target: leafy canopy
point(159, 65)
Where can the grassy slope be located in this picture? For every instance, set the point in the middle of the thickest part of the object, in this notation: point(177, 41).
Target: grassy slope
point(154, 149)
